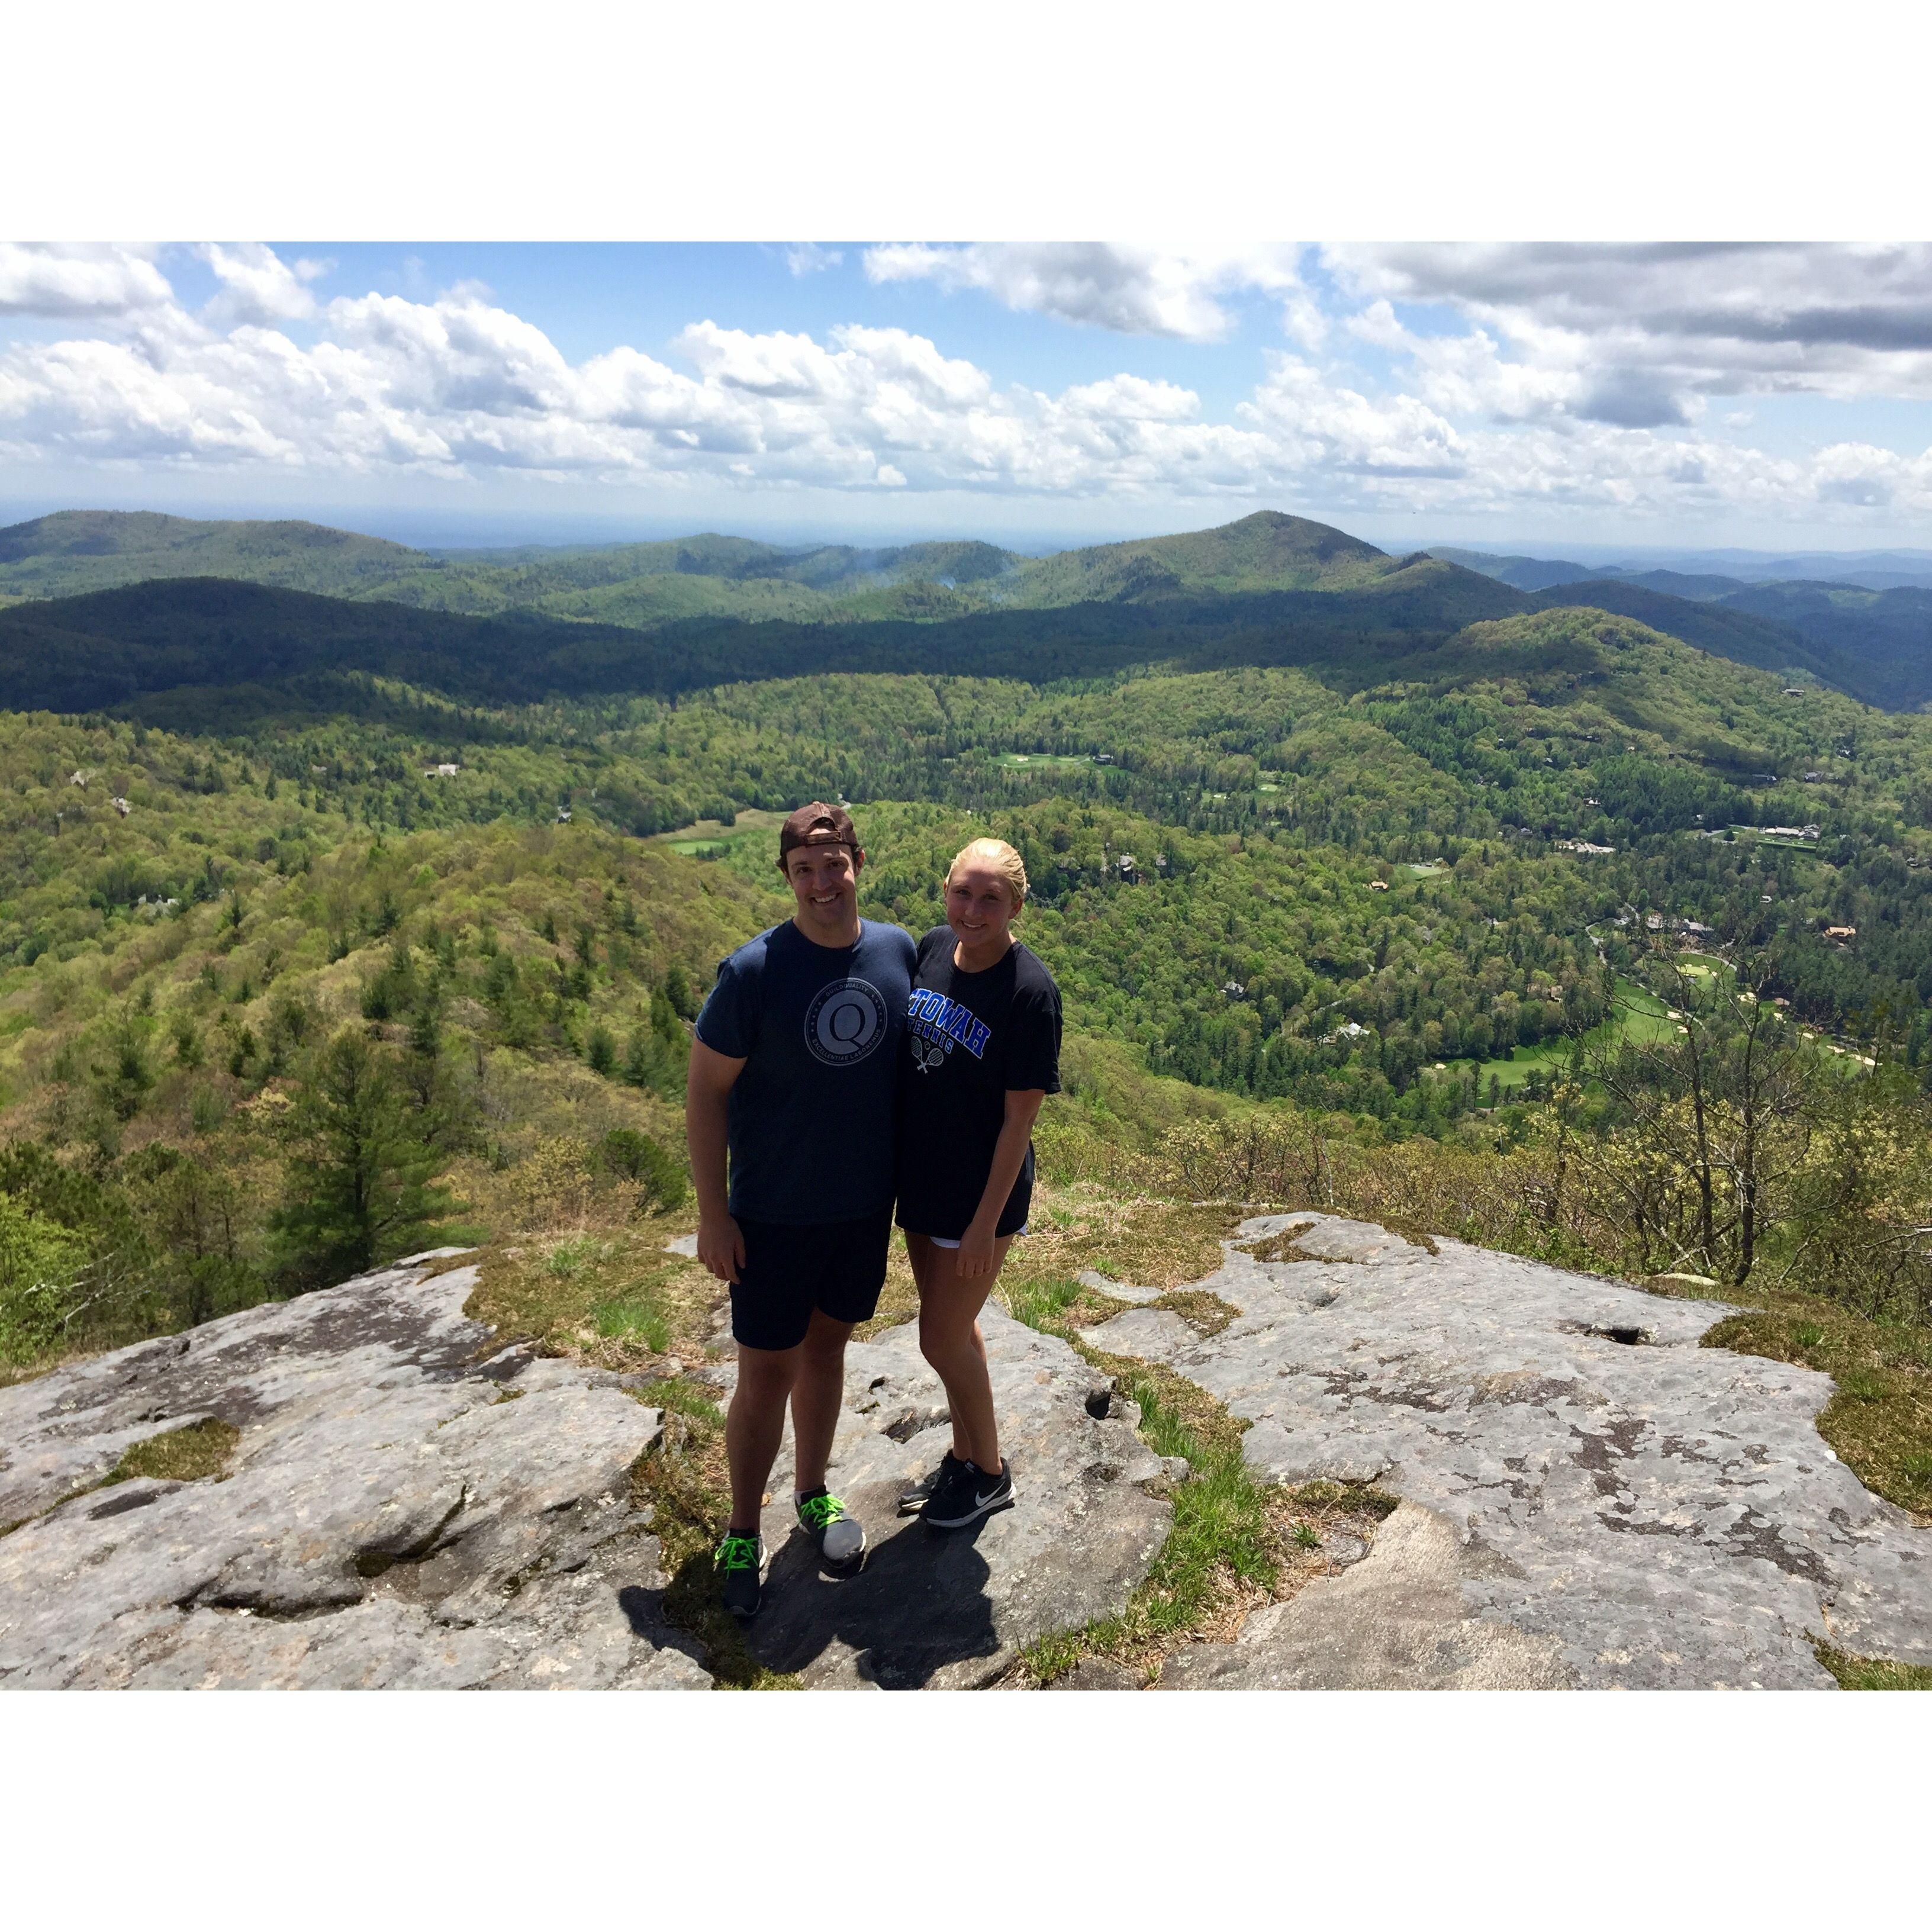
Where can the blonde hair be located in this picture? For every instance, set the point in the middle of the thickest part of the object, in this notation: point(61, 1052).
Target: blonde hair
point(998, 856)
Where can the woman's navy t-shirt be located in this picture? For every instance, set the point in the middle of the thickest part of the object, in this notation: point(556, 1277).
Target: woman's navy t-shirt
point(971, 1039)
point(818, 1028)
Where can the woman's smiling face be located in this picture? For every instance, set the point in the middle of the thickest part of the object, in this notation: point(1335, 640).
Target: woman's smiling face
point(980, 908)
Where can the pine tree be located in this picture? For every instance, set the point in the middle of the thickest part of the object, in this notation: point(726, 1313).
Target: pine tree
point(362, 1168)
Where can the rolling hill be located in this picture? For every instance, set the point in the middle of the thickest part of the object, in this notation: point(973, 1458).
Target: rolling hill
point(1268, 589)
point(77, 550)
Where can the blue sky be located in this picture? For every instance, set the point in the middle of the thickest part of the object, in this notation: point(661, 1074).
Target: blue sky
point(1776, 396)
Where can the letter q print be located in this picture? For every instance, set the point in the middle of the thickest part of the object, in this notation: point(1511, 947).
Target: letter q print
point(845, 1022)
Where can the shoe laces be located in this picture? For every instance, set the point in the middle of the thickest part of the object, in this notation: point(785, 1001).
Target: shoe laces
point(738, 1553)
point(820, 1512)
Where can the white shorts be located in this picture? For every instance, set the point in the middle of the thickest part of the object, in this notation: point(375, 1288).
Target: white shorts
point(941, 1241)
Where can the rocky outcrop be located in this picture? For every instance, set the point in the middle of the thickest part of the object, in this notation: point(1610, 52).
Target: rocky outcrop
point(951, 1610)
point(1590, 1497)
point(407, 1506)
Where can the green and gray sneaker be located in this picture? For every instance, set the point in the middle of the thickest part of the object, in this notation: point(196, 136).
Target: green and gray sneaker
point(739, 1566)
point(840, 1538)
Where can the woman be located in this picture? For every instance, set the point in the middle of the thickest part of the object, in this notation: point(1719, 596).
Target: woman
point(983, 1034)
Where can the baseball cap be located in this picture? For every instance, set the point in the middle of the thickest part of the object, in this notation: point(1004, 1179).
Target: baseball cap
point(818, 823)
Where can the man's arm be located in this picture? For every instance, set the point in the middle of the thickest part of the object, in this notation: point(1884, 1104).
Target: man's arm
point(721, 1247)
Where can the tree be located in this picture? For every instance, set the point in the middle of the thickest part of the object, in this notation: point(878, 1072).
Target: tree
point(1720, 1108)
point(361, 1165)
point(662, 1183)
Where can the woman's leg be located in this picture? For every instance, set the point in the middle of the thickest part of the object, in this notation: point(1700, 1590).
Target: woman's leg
point(949, 1338)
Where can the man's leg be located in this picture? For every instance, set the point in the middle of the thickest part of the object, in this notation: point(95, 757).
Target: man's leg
point(755, 1426)
point(816, 1391)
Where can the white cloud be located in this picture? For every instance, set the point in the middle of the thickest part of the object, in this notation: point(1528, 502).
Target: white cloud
point(257, 285)
point(1648, 329)
point(1136, 291)
point(94, 282)
point(812, 258)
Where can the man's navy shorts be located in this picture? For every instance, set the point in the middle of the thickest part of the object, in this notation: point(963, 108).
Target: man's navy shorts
point(838, 1266)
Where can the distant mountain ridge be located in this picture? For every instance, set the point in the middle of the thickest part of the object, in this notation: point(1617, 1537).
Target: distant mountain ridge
point(1266, 568)
point(1872, 640)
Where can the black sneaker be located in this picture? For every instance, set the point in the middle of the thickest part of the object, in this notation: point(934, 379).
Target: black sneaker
point(967, 1494)
point(915, 1499)
point(739, 1567)
point(840, 1536)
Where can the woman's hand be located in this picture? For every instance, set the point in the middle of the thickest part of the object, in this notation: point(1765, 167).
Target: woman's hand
point(975, 1255)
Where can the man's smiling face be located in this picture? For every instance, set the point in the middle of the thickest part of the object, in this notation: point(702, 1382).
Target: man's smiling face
point(824, 881)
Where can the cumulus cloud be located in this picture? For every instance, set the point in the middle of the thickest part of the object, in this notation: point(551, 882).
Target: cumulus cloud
point(92, 282)
point(1654, 325)
point(812, 258)
point(257, 285)
point(1136, 291)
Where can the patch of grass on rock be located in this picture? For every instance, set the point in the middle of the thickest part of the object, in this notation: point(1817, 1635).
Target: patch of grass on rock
point(686, 1484)
point(1206, 1314)
point(200, 1453)
point(1222, 1544)
point(614, 1299)
point(1879, 1421)
point(1872, 1673)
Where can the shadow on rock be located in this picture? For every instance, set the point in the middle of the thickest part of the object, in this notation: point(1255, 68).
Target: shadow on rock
point(919, 1607)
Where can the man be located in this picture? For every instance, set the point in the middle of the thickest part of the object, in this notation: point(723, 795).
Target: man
point(794, 1070)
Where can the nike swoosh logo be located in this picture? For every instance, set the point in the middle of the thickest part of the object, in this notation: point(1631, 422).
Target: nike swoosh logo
point(991, 1495)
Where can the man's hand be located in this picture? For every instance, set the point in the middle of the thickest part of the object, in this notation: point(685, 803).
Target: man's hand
point(721, 1247)
point(975, 1255)
point(721, 1244)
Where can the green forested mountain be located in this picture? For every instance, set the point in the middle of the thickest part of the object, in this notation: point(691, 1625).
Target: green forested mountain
point(1886, 636)
point(699, 594)
point(107, 647)
point(1872, 640)
point(75, 551)
point(1739, 635)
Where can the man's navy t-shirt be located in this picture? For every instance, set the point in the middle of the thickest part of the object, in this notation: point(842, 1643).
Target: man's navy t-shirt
point(812, 1117)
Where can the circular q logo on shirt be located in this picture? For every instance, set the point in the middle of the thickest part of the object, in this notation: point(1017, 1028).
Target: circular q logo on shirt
point(845, 1022)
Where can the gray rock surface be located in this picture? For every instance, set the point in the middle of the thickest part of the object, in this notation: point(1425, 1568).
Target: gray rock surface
point(1398, 1620)
point(1663, 1514)
point(404, 1508)
point(1121, 1291)
point(950, 1609)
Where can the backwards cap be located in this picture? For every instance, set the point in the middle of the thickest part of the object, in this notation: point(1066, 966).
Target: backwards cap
point(818, 823)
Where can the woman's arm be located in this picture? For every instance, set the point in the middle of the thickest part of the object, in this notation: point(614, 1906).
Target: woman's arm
point(976, 1245)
